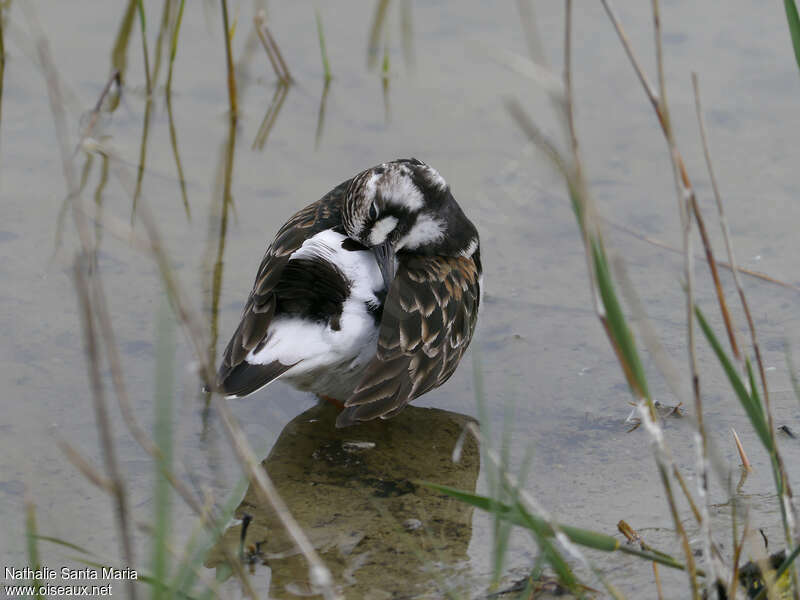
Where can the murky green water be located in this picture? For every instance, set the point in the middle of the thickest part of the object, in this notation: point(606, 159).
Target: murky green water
point(542, 351)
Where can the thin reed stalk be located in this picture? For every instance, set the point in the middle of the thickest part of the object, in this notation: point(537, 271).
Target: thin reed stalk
point(604, 298)
point(166, 13)
point(322, 49)
point(605, 302)
point(376, 33)
point(173, 135)
point(684, 177)
point(229, 59)
point(685, 197)
point(99, 308)
point(119, 51)
point(173, 47)
point(320, 576)
point(119, 492)
point(143, 28)
point(321, 114)
point(84, 295)
point(720, 263)
point(173, 140)
point(271, 116)
point(32, 538)
point(148, 107)
point(787, 506)
point(534, 508)
point(272, 50)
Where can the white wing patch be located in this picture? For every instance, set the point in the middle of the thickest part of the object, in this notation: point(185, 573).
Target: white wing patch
point(313, 346)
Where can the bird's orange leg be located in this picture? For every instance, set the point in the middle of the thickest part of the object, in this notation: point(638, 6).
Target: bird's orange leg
point(337, 403)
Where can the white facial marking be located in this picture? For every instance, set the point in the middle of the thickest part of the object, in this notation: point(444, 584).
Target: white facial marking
point(396, 188)
point(470, 249)
point(403, 192)
point(434, 178)
point(371, 185)
point(381, 229)
point(426, 229)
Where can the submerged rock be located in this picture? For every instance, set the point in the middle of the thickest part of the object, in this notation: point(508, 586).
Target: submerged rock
point(354, 491)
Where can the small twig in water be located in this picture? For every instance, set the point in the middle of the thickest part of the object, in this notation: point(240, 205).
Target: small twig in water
point(742, 454)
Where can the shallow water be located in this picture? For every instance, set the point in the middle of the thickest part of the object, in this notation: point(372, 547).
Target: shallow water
point(539, 346)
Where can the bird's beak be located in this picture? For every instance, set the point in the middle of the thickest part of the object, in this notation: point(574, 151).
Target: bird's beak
point(384, 254)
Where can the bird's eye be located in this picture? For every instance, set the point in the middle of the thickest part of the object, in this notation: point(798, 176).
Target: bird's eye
point(373, 211)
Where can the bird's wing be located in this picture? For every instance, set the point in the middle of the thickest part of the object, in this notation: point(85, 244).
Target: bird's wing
point(427, 323)
point(260, 307)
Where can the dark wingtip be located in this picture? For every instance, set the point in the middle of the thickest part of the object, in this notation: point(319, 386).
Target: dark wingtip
point(246, 378)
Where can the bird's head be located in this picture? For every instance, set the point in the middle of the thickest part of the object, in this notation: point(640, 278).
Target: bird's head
point(405, 205)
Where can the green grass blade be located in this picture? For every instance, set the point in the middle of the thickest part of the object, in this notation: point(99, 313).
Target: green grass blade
point(119, 52)
point(184, 579)
point(552, 555)
point(322, 48)
point(749, 402)
point(583, 537)
point(143, 27)
point(60, 542)
point(794, 27)
point(162, 435)
point(617, 323)
point(32, 539)
point(173, 48)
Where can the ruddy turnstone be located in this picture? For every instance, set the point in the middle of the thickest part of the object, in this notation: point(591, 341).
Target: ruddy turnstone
point(368, 296)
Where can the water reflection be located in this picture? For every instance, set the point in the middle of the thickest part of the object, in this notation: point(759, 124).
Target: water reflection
point(354, 492)
point(281, 90)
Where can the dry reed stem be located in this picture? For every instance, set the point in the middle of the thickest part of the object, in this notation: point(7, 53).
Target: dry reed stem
point(118, 489)
point(579, 194)
point(259, 23)
point(685, 194)
point(271, 48)
point(791, 535)
point(659, 591)
point(737, 553)
point(102, 314)
point(114, 78)
point(588, 218)
point(86, 468)
point(668, 370)
point(590, 229)
point(742, 454)
point(684, 177)
point(190, 323)
point(721, 263)
point(79, 214)
point(698, 516)
point(53, 86)
point(319, 575)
